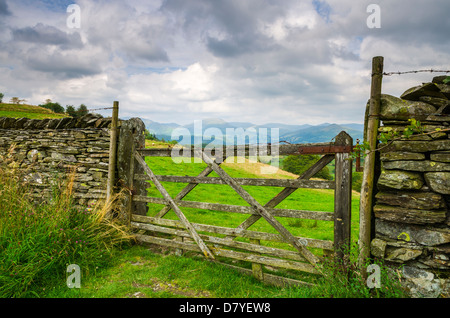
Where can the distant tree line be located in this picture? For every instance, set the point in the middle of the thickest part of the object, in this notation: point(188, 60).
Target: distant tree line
point(69, 110)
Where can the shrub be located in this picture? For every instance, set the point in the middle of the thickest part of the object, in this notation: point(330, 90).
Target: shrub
point(299, 164)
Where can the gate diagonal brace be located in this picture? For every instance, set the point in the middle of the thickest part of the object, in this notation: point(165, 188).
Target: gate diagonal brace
point(260, 210)
point(206, 251)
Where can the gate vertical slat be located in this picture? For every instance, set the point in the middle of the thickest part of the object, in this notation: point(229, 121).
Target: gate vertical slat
point(131, 183)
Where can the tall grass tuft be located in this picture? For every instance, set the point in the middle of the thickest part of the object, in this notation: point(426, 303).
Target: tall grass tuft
point(39, 241)
point(344, 280)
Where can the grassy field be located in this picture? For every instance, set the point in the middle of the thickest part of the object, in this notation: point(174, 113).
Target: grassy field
point(28, 111)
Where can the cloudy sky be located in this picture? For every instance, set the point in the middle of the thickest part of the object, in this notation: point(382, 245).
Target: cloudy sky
point(289, 61)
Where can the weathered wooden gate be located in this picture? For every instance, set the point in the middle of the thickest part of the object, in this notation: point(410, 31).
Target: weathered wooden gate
point(217, 242)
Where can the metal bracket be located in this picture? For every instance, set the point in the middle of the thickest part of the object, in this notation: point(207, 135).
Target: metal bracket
point(324, 149)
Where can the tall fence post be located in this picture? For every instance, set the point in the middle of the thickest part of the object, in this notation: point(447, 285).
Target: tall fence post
point(368, 182)
point(112, 152)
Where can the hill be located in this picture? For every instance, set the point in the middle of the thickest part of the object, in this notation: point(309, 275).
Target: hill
point(28, 111)
point(291, 133)
point(320, 134)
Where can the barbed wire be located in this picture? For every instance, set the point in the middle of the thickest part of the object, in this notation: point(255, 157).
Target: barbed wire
point(100, 108)
point(418, 71)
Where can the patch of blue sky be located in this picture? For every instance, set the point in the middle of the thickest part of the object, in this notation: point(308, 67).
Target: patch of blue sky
point(323, 9)
point(52, 5)
point(355, 45)
point(157, 70)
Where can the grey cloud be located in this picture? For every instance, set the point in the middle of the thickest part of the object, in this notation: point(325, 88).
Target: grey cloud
point(45, 34)
point(63, 66)
point(4, 8)
point(228, 28)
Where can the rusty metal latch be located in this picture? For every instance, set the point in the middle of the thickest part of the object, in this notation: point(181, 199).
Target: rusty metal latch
point(324, 149)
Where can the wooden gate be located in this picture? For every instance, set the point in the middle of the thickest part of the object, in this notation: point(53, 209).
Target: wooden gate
point(240, 244)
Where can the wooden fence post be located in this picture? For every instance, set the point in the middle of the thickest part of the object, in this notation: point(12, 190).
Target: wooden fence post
point(112, 152)
point(342, 198)
point(367, 187)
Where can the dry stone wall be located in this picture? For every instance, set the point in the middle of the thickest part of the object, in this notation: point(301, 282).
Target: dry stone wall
point(412, 219)
point(48, 150)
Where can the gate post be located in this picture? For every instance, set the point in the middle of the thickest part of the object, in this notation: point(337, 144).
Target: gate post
point(367, 186)
point(342, 198)
point(131, 137)
point(112, 152)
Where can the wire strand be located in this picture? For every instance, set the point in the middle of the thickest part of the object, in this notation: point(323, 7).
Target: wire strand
point(418, 71)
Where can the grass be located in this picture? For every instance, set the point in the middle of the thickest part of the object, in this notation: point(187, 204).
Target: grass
point(37, 243)
point(28, 111)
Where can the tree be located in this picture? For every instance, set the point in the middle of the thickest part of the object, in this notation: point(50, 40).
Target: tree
point(82, 110)
point(299, 164)
point(14, 100)
point(150, 136)
point(54, 107)
point(70, 110)
point(1, 97)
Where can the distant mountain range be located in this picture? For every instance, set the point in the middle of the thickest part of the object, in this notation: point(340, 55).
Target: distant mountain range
point(214, 131)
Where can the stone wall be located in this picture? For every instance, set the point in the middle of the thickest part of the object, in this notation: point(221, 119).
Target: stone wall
point(412, 203)
point(48, 150)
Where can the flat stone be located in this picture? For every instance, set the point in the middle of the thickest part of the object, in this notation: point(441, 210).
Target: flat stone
point(435, 101)
point(412, 233)
point(393, 108)
point(426, 89)
point(445, 89)
point(400, 180)
point(439, 79)
point(443, 156)
point(401, 155)
point(63, 157)
point(411, 199)
point(401, 254)
point(418, 146)
point(421, 166)
point(438, 181)
point(406, 215)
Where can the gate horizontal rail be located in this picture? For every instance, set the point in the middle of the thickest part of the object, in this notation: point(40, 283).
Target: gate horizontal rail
point(248, 150)
point(285, 183)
